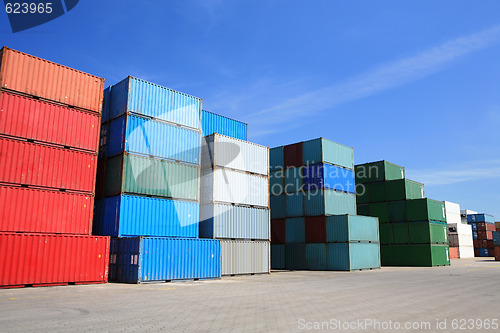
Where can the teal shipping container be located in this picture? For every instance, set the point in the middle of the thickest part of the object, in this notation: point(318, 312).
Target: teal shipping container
point(276, 158)
point(326, 151)
point(294, 179)
point(215, 123)
point(295, 256)
point(316, 257)
point(278, 256)
point(295, 204)
point(276, 182)
point(278, 206)
point(329, 202)
point(295, 230)
point(352, 228)
point(353, 256)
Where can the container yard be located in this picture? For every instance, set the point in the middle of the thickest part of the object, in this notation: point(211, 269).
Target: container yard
point(223, 169)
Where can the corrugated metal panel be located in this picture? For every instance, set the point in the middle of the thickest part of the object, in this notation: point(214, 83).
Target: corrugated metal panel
point(330, 177)
point(149, 176)
point(295, 230)
point(480, 218)
point(351, 228)
point(38, 77)
point(40, 165)
point(426, 209)
point(425, 232)
point(150, 259)
point(41, 121)
point(278, 231)
point(380, 210)
point(295, 204)
point(315, 229)
point(295, 256)
point(353, 256)
point(294, 179)
point(129, 215)
point(223, 151)
point(378, 171)
point(323, 150)
point(33, 210)
point(215, 123)
point(228, 186)
point(278, 204)
point(229, 221)
point(276, 185)
point(152, 100)
point(276, 158)
point(466, 251)
point(329, 202)
point(404, 189)
point(38, 259)
point(278, 256)
point(139, 135)
point(293, 155)
point(397, 211)
point(245, 257)
point(316, 257)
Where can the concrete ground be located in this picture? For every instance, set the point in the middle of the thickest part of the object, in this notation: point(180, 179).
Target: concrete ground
point(280, 302)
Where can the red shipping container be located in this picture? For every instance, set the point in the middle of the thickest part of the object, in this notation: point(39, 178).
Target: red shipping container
point(476, 252)
point(293, 155)
point(497, 253)
point(43, 211)
point(475, 243)
point(482, 243)
point(46, 166)
point(34, 76)
point(490, 227)
point(490, 244)
point(491, 252)
point(46, 122)
point(454, 253)
point(278, 231)
point(41, 259)
point(481, 226)
point(485, 235)
point(315, 229)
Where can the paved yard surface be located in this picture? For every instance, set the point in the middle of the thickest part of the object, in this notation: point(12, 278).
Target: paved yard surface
point(280, 302)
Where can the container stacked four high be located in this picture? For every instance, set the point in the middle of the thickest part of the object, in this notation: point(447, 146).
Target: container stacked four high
point(49, 133)
point(314, 224)
point(483, 232)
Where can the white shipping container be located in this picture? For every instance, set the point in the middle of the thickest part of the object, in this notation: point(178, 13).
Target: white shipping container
point(464, 232)
point(229, 221)
point(466, 252)
point(245, 257)
point(452, 212)
point(223, 151)
point(464, 213)
point(229, 186)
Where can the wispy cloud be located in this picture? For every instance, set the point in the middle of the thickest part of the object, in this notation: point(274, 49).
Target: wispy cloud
point(471, 171)
point(384, 77)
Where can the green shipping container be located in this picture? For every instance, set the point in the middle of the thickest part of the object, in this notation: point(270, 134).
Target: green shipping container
point(377, 192)
point(403, 189)
point(378, 171)
point(380, 210)
point(293, 179)
point(362, 193)
point(426, 209)
point(424, 255)
point(428, 232)
point(397, 211)
point(385, 233)
point(134, 174)
point(329, 202)
point(400, 232)
point(363, 209)
point(323, 150)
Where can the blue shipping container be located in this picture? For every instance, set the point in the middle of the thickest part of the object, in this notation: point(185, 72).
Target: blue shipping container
point(474, 235)
point(157, 259)
point(130, 215)
point(295, 204)
point(484, 252)
point(480, 218)
point(149, 137)
point(328, 176)
point(473, 226)
point(278, 256)
point(215, 123)
point(295, 230)
point(141, 97)
point(496, 238)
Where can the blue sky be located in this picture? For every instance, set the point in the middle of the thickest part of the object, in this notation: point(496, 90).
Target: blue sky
point(416, 83)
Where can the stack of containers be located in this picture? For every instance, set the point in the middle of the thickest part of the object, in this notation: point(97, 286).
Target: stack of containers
point(148, 175)
point(483, 226)
point(313, 209)
point(235, 196)
point(464, 213)
point(496, 241)
point(49, 133)
point(413, 230)
point(459, 235)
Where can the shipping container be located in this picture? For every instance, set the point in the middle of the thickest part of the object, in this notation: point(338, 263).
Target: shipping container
point(135, 174)
point(480, 218)
point(454, 253)
point(380, 210)
point(316, 259)
point(43, 211)
point(453, 240)
point(278, 256)
point(34, 76)
point(353, 256)
point(351, 228)
point(245, 257)
point(295, 256)
point(315, 229)
point(497, 226)
point(385, 233)
point(363, 209)
point(325, 151)
point(153, 138)
point(159, 259)
point(215, 123)
point(294, 204)
point(131, 215)
point(230, 221)
point(329, 202)
point(484, 252)
point(276, 184)
point(466, 251)
point(404, 189)
point(294, 179)
point(278, 206)
point(295, 230)
point(377, 192)
point(229, 186)
point(227, 152)
point(452, 212)
point(378, 171)
point(47, 122)
point(278, 231)
point(496, 238)
point(473, 226)
point(362, 194)
point(397, 211)
point(400, 233)
point(425, 232)
point(423, 255)
point(145, 98)
point(48, 259)
point(426, 209)
point(40, 165)
point(292, 155)
point(276, 158)
point(328, 176)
